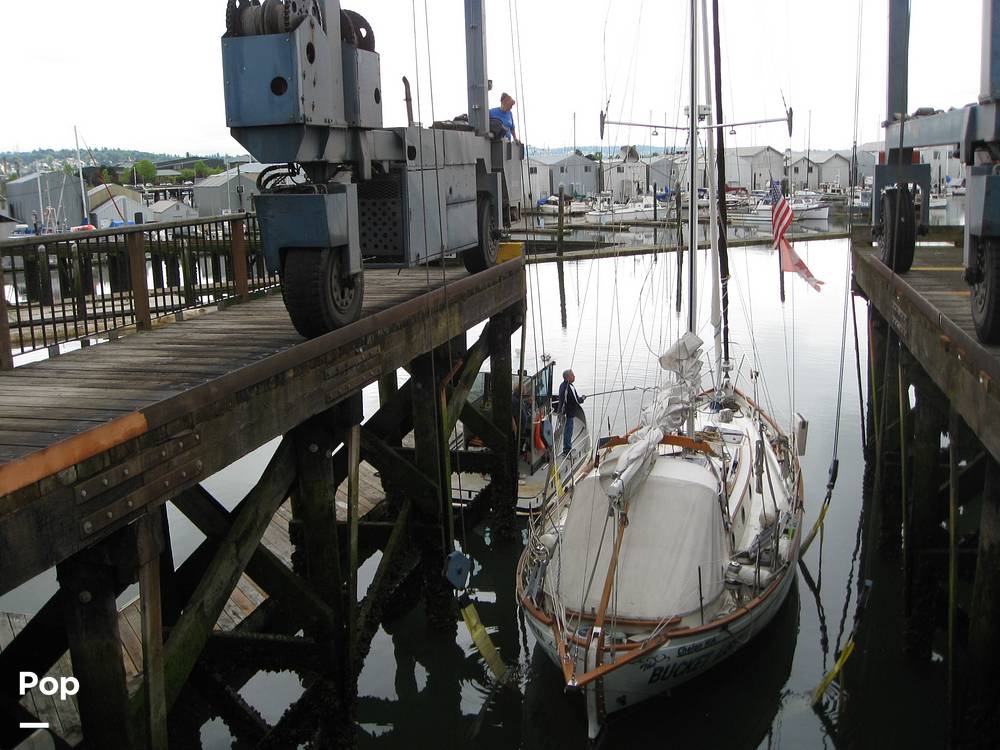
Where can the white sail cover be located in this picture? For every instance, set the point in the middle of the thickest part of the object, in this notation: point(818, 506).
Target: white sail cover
point(665, 414)
point(674, 527)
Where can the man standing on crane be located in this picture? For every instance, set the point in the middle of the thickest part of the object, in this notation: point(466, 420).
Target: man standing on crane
point(503, 114)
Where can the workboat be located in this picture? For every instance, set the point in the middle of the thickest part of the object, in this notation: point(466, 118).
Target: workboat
point(541, 465)
point(937, 200)
point(678, 540)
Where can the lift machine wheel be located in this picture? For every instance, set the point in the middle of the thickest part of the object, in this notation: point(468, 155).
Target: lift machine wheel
point(986, 290)
point(318, 297)
point(484, 255)
point(899, 233)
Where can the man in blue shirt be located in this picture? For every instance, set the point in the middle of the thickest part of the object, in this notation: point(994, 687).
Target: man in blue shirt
point(504, 115)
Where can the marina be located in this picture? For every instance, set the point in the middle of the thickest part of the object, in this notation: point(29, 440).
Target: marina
point(402, 428)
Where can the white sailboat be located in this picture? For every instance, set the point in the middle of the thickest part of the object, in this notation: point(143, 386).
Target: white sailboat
point(678, 541)
point(607, 211)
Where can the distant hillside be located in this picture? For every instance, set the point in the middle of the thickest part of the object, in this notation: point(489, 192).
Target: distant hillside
point(106, 155)
point(102, 155)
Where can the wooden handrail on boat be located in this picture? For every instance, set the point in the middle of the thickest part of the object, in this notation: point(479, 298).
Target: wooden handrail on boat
point(681, 441)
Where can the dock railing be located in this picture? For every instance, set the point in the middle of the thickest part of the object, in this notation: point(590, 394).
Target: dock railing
point(80, 286)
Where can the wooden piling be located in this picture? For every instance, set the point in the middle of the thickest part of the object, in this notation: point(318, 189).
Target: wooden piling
point(313, 507)
point(984, 615)
point(559, 233)
point(504, 482)
point(353, 446)
point(954, 429)
point(930, 417)
point(149, 544)
point(238, 248)
point(137, 280)
point(6, 352)
point(431, 457)
point(887, 398)
point(88, 582)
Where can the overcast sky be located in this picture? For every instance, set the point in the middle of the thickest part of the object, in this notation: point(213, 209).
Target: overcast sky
point(145, 75)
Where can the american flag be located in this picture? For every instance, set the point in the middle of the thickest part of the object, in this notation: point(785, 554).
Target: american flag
point(781, 220)
point(781, 213)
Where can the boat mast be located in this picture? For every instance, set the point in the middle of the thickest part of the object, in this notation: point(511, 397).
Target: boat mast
point(721, 155)
point(693, 189)
point(79, 171)
point(693, 173)
point(713, 216)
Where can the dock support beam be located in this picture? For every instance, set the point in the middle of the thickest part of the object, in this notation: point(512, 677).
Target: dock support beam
point(504, 481)
point(930, 420)
point(433, 459)
point(88, 582)
point(883, 429)
point(984, 615)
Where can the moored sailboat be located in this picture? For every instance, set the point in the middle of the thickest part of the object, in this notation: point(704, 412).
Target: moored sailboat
point(678, 541)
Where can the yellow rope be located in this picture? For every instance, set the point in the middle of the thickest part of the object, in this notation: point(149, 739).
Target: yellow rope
point(483, 642)
point(832, 674)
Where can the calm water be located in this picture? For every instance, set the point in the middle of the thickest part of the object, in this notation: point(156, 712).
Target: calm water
point(418, 687)
point(418, 684)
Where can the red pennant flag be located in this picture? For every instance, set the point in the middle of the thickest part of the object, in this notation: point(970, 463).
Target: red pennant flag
point(790, 261)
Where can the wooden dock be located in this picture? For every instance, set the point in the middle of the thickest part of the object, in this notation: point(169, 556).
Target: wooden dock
point(929, 309)
point(93, 443)
point(107, 408)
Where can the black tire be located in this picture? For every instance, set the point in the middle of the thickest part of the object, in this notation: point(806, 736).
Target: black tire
point(318, 298)
point(986, 292)
point(484, 255)
point(899, 233)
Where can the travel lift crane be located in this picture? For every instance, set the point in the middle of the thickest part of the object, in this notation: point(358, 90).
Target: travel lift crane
point(975, 128)
point(303, 92)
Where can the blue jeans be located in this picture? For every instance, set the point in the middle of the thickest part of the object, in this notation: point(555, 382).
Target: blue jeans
point(568, 435)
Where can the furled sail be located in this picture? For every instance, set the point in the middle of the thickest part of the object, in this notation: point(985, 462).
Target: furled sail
point(666, 413)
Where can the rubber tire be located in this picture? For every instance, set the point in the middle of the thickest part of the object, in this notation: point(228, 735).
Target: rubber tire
point(986, 292)
point(901, 230)
point(484, 255)
point(310, 285)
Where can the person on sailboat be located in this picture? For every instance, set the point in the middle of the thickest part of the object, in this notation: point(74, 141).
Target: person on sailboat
point(569, 401)
point(503, 114)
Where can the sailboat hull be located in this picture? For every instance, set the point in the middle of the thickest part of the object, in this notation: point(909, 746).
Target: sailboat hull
point(681, 659)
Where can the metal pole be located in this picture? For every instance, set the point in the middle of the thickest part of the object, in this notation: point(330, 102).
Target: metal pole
point(693, 188)
point(898, 63)
point(693, 171)
point(79, 169)
point(40, 222)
